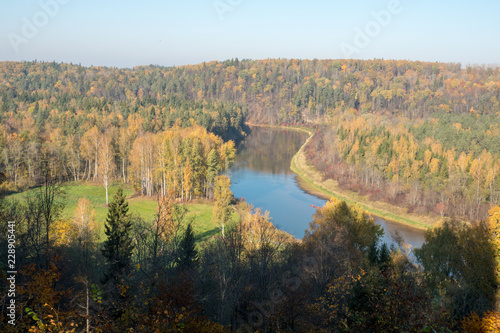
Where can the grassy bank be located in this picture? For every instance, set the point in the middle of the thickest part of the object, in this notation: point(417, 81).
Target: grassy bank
point(307, 130)
point(200, 213)
point(312, 181)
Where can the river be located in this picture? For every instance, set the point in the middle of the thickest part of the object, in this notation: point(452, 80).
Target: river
point(261, 175)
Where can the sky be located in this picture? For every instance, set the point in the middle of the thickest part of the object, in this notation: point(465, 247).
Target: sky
point(170, 33)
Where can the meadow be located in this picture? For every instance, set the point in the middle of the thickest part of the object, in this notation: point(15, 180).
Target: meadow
point(199, 212)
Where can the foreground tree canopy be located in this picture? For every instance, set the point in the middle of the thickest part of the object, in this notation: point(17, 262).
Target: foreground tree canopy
point(340, 278)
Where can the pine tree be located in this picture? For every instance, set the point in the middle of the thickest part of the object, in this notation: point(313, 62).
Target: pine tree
point(212, 165)
point(384, 255)
point(188, 255)
point(118, 246)
point(373, 253)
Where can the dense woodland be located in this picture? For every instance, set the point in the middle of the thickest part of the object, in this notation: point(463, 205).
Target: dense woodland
point(448, 166)
point(425, 136)
point(420, 135)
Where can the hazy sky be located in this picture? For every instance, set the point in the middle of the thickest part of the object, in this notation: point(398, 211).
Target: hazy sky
point(128, 33)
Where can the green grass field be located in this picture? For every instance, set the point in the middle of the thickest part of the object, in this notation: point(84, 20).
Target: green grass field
point(199, 213)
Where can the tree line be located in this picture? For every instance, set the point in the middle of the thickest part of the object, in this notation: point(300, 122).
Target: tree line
point(184, 160)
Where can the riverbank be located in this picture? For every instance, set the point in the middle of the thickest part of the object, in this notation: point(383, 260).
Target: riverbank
point(307, 130)
point(312, 181)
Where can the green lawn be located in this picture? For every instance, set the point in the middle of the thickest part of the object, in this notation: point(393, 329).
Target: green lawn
point(199, 213)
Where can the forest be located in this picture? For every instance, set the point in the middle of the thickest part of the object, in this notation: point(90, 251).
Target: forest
point(444, 119)
point(423, 136)
point(437, 166)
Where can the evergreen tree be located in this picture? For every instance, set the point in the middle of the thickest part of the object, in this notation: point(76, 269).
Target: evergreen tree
point(118, 246)
point(188, 255)
point(212, 169)
point(212, 165)
point(384, 255)
point(373, 253)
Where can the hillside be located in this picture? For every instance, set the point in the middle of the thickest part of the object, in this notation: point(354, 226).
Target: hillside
point(422, 136)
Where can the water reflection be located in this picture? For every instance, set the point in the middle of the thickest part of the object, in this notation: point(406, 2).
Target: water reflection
point(261, 174)
point(269, 150)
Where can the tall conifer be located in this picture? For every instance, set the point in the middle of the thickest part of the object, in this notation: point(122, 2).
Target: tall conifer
point(188, 255)
point(118, 246)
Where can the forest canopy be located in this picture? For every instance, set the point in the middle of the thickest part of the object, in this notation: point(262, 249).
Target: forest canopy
point(422, 135)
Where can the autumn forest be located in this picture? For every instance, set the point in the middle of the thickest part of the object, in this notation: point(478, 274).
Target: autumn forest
point(420, 139)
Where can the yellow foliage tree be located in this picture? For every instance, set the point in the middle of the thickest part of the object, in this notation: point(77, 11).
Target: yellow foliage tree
point(257, 231)
point(222, 196)
point(85, 231)
point(494, 224)
point(490, 322)
point(336, 216)
point(106, 163)
point(89, 148)
point(61, 232)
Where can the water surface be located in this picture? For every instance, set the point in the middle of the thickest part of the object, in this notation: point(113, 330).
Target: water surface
point(261, 175)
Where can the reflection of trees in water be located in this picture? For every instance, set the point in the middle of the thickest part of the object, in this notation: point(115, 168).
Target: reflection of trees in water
point(270, 150)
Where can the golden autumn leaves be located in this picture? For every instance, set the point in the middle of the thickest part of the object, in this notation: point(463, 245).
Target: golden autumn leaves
point(182, 160)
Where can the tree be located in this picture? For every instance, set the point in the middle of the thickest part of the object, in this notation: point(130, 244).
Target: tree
point(165, 228)
point(89, 147)
point(126, 139)
point(85, 229)
point(44, 300)
point(188, 255)
point(222, 265)
point(212, 169)
point(494, 224)
point(143, 158)
point(106, 162)
point(13, 156)
point(73, 158)
point(360, 229)
point(222, 197)
point(118, 247)
point(438, 255)
point(187, 183)
point(48, 198)
point(459, 264)
point(227, 155)
point(86, 234)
